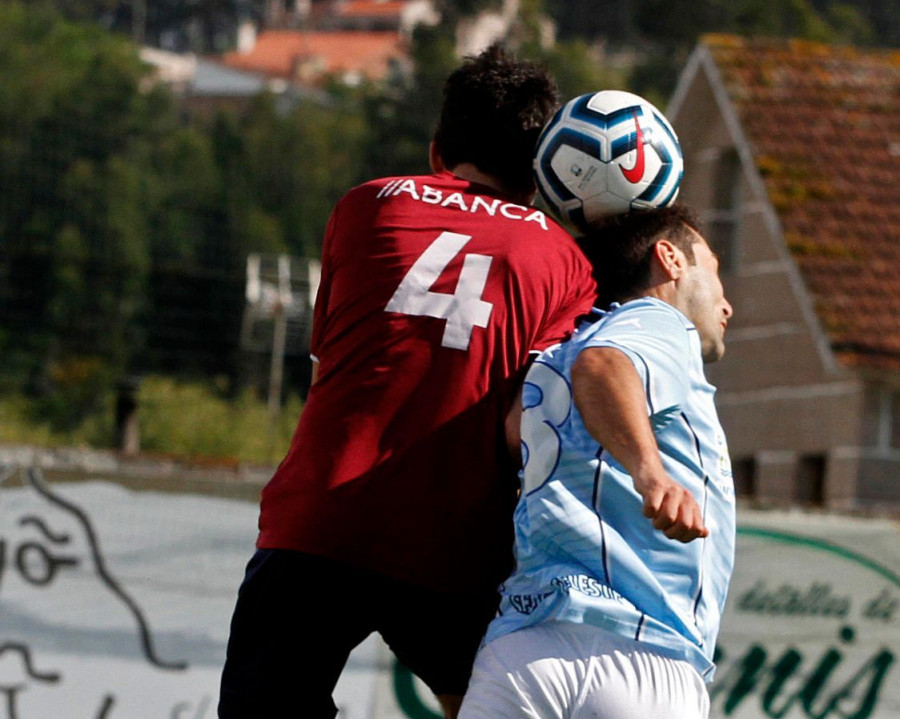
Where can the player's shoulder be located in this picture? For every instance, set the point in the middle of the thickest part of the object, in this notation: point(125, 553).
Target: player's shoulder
point(643, 316)
point(457, 198)
point(376, 187)
point(406, 184)
point(652, 308)
point(361, 202)
point(427, 190)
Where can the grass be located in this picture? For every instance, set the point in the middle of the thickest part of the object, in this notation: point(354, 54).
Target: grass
point(187, 419)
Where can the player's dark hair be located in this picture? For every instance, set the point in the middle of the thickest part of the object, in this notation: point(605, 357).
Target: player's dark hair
point(621, 249)
point(494, 108)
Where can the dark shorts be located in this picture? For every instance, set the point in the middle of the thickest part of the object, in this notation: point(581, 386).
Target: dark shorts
point(299, 616)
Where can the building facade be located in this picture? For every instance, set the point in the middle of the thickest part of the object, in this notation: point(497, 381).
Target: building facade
point(792, 154)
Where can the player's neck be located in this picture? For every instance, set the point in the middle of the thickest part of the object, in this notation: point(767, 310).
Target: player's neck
point(468, 171)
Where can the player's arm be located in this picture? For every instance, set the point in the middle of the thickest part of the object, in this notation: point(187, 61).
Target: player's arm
point(513, 422)
point(514, 429)
point(610, 397)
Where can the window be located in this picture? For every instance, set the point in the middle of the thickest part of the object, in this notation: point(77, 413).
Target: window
point(809, 480)
point(722, 218)
point(895, 420)
point(744, 474)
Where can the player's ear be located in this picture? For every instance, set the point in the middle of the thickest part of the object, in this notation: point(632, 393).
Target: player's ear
point(434, 158)
point(671, 259)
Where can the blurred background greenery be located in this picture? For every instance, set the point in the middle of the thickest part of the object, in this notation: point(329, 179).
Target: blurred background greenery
point(126, 219)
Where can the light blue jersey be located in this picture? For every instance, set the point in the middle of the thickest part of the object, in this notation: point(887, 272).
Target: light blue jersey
point(585, 552)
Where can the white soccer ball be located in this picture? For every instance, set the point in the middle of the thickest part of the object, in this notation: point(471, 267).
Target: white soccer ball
point(606, 153)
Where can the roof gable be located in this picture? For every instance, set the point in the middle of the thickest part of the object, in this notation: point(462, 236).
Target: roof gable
point(823, 125)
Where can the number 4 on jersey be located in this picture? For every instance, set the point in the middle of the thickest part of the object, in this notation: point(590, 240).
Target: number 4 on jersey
point(464, 309)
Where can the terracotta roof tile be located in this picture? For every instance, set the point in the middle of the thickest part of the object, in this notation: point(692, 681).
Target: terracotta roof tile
point(371, 8)
point(295, 54)
point(823, 124)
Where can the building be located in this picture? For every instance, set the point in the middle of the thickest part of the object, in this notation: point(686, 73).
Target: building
point(792, 153)
point(309, 42)
point(304, 45)
point(309, 57)
point(205, 86)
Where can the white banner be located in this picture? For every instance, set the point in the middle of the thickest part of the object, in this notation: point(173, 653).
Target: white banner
point(811, 628)
point(115, 604)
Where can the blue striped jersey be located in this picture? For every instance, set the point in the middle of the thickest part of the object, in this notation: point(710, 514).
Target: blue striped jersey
point(584, 551)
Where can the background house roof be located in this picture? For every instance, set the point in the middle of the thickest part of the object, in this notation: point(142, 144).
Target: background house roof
point(310, 55)
point(369, 8)
point(823, 124)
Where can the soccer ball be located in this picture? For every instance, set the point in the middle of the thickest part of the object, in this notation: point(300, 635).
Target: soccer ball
point(605, 153)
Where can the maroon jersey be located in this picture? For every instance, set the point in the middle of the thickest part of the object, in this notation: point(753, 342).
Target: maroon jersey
point(433, 293)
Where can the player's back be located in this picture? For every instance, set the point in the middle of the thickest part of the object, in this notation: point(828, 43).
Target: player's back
point(433, 293)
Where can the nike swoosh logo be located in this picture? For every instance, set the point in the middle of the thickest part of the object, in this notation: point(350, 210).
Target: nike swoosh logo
point(635, 174)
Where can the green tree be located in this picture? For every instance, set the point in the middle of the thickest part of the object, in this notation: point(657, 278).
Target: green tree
point(71, 223)
point(579, 69)
point(852, 27)
point(198, 25)
point(661, 33)
point(299, 163)
point(588, 20)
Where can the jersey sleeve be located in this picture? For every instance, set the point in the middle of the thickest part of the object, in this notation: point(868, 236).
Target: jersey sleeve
point(580, 295)
point(320, 308)
point(656, 341)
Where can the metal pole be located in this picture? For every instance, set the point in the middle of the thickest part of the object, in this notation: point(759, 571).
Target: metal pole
point(138, 20)
point(276, 371)
point(279, 339)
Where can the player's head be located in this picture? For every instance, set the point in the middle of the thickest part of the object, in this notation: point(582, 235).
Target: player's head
point(662, 252)
point(621, 249)
point(493, 111)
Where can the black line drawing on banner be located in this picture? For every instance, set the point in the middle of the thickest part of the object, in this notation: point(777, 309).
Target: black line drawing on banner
point(35, 479)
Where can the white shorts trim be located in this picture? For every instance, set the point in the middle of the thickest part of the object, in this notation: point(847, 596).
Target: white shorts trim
point(563, 670)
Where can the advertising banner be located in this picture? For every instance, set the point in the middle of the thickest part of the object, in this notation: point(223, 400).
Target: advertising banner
point(812, 624)
point(115, 604)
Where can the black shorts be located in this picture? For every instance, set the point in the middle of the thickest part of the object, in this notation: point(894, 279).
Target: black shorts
point(299, 616)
